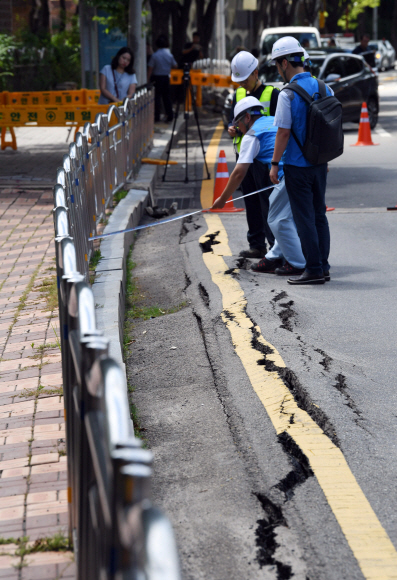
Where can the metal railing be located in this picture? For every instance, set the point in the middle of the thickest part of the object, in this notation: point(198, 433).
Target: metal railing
point(213, 66)
point(100, 160)
point(117, 534)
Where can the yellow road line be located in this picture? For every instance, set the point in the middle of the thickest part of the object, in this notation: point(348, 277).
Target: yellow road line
point(207, 188)
point(364, 533)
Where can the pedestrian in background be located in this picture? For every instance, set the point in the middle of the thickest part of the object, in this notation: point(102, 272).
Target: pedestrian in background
point(363, 49)
point(192, 51)
point(306, 183)
point(245, 72)
point(159, 69)
point(118, 79)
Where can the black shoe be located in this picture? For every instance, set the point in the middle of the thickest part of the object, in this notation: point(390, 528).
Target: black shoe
point(327, 277)
point(266, 266)
point(254, 253)
point(307, 278)
point(289, 270)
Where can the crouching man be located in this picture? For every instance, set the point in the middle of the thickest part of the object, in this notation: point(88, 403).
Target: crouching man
point(257, 146)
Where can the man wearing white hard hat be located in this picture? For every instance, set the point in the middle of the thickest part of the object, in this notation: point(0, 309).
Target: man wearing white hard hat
point(259, 133)
point(245, 72)
point(306, 183)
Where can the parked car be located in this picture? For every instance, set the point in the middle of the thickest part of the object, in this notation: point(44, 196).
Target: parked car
point(308, 36)
point(350, 77)
point(391, 53)
point(385, 55)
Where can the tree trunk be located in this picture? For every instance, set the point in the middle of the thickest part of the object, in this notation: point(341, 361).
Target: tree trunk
point(208, 25)
point(310, 10)
point(180, 20)
point(62, 15)
point(394, 26)
point(160, 18)
point(39, 18)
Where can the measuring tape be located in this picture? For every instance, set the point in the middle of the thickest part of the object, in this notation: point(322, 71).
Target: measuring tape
point(167, 221)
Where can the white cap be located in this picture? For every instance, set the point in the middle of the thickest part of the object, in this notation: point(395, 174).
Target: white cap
point(245, 105)
point(243, 64)
point(286, 46)
point(306, 55)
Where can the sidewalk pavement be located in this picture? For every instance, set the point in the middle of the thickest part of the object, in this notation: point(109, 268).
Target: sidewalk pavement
point(33, 475)
point(40, 152)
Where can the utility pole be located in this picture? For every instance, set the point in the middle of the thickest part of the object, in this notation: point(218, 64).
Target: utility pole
point(375, 23)
point(136, 40)
point(220, 30)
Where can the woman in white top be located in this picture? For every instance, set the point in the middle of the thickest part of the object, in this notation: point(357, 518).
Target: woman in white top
point(118, 79)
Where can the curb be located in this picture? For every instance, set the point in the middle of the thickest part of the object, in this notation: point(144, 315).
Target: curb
point(110, 281)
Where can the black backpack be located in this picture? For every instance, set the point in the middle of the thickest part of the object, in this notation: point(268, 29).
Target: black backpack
point(324, 134)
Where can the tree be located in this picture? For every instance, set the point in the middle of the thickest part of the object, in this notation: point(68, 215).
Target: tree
point(39, 17)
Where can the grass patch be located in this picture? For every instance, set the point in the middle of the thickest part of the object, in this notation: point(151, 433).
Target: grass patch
point(48, 290)
point(119, 195)
point(41, 390)
point(8, 541)
point(94, 261)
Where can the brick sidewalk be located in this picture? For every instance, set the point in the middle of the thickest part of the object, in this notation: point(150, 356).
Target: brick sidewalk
point(33, 477)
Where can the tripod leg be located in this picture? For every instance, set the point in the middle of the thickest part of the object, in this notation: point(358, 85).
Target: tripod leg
point(172, 137)
point(199, 130)
point(186, 104)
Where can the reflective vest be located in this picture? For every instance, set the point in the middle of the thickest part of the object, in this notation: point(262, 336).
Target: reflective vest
point(264, 98)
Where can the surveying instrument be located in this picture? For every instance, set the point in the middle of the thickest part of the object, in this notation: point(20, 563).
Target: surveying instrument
point(187, 92)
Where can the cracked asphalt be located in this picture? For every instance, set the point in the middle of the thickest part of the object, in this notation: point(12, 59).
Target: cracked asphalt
point(243, 499)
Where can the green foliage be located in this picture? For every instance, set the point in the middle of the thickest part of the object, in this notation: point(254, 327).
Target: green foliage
point(7, 47)
point(96, 256)
point(117, 14)
point(119, 195)
point(355, 9)
point(40, 62)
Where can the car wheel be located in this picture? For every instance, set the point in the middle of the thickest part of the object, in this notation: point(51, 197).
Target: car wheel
point(373, 111)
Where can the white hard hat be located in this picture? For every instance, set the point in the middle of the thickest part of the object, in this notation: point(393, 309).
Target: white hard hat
point(244, 106)
point(286, 46)
point(243, 64)
point(306, 55)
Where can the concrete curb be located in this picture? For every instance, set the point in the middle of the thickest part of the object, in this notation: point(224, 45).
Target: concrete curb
point(111, 272)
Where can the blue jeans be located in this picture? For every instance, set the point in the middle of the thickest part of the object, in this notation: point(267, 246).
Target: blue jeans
point(282, 224)
point(306, 191)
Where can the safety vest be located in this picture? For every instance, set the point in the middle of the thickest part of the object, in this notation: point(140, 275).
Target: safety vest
point(264, 99)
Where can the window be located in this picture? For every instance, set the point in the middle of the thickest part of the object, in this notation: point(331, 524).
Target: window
point(317, 63)
point(353, 66)
point(268, 74)
point(334, 67)
point(307, 40)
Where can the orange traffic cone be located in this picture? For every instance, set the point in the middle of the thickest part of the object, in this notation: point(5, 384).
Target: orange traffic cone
point(221, 179)
point(364, 129)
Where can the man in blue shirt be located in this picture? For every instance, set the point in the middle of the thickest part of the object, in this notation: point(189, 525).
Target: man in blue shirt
point(159, 69)
point(256, 153)
point(305, 183)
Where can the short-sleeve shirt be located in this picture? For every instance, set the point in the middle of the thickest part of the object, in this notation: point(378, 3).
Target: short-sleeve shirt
point(283, 116)
point(249, 149)
point(162, 61)
point(123, 81)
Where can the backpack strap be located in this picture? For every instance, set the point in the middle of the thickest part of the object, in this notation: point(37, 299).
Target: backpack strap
point(322, 89)
point(306, 97)
point(299, 91)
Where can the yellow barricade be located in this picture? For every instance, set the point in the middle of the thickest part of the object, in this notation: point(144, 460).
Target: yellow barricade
point(47, 109)
point(202, 79)
point(81, 97)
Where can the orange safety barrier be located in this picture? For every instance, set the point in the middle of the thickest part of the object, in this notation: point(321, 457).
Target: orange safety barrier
point(47, 109)
point(202, 79)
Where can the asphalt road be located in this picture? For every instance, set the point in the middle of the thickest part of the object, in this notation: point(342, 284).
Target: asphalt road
point(271, 409)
